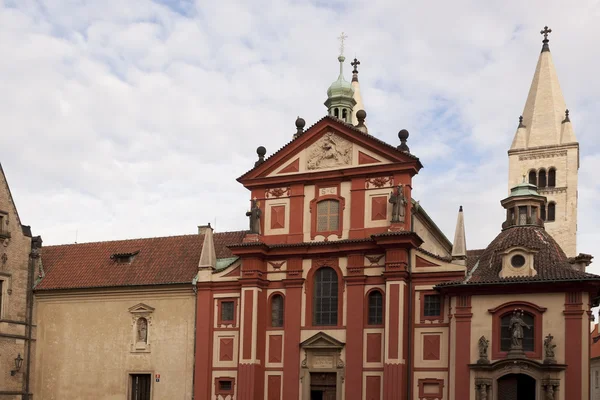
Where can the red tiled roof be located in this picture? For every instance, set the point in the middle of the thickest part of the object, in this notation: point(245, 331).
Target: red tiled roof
point(160, 261)
point(473, 257)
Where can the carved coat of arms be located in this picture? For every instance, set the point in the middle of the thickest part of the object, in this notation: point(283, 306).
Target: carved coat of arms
point(329, 151)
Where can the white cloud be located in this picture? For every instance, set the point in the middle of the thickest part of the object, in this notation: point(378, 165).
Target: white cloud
point(133, 119)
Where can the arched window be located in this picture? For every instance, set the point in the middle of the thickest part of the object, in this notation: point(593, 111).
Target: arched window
point(552, 177)
point(277, 311)
point(344, 114)
point(336, 112)
point(527, 327)
point(542, 178)
point(375, 308)
point(532, 177)
point(551, 211)
point(328, 215)
point(325, 297)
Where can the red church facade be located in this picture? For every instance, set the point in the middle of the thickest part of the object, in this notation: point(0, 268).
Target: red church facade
point(330, 297)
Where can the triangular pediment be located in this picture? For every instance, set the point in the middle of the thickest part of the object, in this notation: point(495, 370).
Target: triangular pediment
point(322, 340)
point(141, 308)
point(329, 145)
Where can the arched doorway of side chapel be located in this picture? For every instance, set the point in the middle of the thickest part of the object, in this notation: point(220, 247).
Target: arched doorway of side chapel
point(516, 387)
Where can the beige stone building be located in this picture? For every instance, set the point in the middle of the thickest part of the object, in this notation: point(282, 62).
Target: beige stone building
point(116, 319)
point(17, 266)
point(545, 150)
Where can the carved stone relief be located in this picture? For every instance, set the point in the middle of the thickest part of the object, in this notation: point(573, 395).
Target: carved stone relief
point(329, 151)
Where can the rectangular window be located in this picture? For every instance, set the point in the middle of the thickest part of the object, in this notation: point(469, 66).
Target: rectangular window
point(597, 378)
point(1, 293)
point(140, 386)
point(328, 219)
point(432, 306)
point(227, 311)
point(522, 215)
point(224, 386)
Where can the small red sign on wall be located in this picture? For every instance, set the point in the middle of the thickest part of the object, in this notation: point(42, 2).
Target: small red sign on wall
point(157, 377)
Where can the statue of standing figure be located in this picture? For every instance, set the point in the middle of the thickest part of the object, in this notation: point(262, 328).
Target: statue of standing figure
point(142, 329)
point(254, 214)
point(483, 351)
point(549, 350)
point(398, 200)
point(516, 325)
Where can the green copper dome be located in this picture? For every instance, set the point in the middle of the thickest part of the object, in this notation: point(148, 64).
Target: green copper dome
point(341, 87)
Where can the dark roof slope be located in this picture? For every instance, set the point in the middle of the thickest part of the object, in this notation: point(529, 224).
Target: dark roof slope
point(550, 261)
point(160, 261)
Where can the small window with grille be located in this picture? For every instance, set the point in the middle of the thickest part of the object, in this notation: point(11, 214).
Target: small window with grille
point(375, 308)
point(328, 215)
point(432, 306)
point(277, 311)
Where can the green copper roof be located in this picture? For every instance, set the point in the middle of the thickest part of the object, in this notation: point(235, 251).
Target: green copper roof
point(524, 189)
point(341, 87)
point(223, 263)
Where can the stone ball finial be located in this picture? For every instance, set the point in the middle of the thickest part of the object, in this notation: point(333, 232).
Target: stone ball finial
point(300, 123)
point(361, 115)
point(261, 151)
point(403, 135)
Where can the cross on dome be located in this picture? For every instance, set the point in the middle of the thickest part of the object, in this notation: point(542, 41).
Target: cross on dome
point(342, 37)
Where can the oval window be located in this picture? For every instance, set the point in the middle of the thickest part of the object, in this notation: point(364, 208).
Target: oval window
point(517, 261)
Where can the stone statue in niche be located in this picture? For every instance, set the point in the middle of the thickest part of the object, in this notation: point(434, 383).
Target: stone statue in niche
point(549, 392)
point(483, 351)
point(549, 350)
point(329, 151)
point(142, 330)
point(398, 200)
point(516, 325)
point(254, 214)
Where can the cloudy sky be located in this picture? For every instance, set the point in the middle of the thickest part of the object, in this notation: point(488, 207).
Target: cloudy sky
point(133, 118)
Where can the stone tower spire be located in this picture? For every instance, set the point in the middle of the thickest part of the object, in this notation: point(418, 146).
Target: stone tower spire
point(459, 247)
point(340, 95)
point(356, 86)
point(545, 149)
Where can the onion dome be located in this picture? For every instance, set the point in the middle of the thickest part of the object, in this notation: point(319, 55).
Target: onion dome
point(340, 96)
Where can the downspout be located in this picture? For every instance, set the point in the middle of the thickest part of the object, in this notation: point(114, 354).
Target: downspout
point(33, 257)
point(195, 289)
point(409, 382)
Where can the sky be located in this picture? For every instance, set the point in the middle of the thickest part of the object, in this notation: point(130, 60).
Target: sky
point(124, 119)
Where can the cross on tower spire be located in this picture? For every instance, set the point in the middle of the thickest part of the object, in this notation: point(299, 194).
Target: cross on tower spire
point(355, 64)
point(545, 32)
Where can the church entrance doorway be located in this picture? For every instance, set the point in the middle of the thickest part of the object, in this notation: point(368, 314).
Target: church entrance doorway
point(323, 385)
point(516, 387)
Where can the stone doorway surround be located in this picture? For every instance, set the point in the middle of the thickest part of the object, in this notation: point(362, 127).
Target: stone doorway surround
point(549, 377)
point(322, 354)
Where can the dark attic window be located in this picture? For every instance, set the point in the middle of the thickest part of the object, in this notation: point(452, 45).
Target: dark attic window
point(124, 258)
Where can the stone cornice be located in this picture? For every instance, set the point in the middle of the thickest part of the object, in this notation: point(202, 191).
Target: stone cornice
point(543, 149)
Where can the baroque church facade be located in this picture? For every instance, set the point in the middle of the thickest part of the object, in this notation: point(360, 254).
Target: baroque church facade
point(343, 287)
